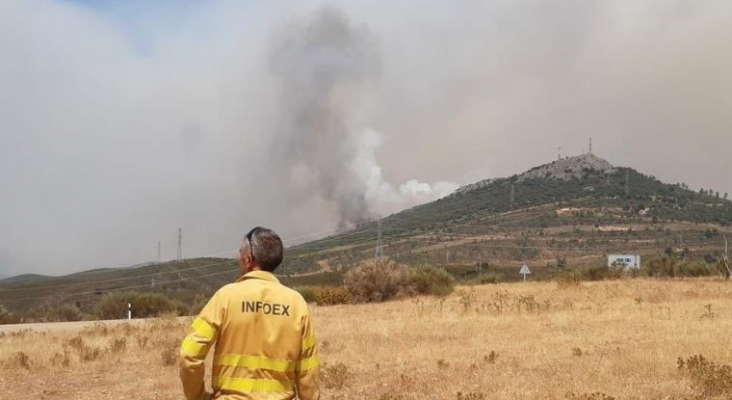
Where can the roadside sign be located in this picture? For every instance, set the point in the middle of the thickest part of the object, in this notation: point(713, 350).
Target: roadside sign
point(525, 271)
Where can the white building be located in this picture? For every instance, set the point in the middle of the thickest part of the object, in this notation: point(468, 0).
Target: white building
point(629, 261)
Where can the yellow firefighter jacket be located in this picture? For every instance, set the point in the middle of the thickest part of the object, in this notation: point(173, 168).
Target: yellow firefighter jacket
point(265, 343)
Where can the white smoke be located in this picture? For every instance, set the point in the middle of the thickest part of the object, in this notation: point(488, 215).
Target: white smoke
point(382, 197)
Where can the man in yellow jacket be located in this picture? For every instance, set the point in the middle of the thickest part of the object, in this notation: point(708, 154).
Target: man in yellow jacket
point(265, 345)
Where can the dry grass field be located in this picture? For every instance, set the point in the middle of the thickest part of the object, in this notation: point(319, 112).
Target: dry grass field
point(604, 340)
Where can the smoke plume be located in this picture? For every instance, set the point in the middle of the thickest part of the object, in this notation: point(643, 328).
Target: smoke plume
point(381, 196)
point(326, 68)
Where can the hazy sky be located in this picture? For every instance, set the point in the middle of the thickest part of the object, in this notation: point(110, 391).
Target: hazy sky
point(122, 121)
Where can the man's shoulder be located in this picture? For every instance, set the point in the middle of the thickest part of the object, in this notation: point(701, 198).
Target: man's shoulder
point(288, 292)
point(228, 288)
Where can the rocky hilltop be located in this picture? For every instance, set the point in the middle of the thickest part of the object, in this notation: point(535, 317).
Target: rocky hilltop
point(569, 168)
point(565, 169)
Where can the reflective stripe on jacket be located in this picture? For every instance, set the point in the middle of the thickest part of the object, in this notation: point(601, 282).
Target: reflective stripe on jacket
point(265, 343)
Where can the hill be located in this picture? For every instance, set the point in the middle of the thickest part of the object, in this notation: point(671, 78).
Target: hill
point(25, 278)
point(572, 211)
point(178, 280)
point(566, 214)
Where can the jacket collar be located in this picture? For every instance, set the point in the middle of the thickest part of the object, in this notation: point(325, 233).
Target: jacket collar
point(267, 276)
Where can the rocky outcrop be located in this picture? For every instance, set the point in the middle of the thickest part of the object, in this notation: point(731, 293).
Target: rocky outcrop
point(567, 168)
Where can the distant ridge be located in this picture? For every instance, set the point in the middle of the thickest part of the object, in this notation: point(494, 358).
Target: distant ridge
point(25, 278)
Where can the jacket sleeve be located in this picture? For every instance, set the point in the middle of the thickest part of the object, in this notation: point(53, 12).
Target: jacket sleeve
point(202, 335)
point(308, 366)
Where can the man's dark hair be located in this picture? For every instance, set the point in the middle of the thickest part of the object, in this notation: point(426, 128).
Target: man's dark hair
point(266, 247)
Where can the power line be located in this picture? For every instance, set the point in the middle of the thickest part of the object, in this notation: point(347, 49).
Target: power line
point(158, 273)
point(180, 279)
point(320, 243)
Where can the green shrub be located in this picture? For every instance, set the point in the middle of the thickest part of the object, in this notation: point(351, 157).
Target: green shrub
point(6, 317)
point(67, 313)
point(669, 267)
point(571, 280)
point(332, 295)
point(660, 267)
point(489, 279)
point(431, 280)
point(199, 302)
point(695, 269)
point(114, 305)
point(601, 272)
point(377, 281)
point(50, 313)
point(144, 305)
point(307, 293)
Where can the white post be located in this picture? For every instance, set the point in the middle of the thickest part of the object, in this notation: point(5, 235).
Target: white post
point(129, 310)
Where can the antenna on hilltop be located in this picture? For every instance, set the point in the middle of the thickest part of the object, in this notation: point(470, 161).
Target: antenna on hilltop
point(590, 144)
point(559, 153)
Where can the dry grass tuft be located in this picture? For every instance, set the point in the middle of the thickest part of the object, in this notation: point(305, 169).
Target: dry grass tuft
point(589, 396)
point(491, 358)
point(21, 360)
point(471, 396)
point(335, 376)
point(62, 359)
point(117, 345)
point(331, 295)
point(710, 378)
point(169, 355)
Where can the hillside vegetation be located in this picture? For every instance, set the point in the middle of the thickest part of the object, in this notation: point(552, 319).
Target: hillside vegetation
point(560, 217)
point(579, 215)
